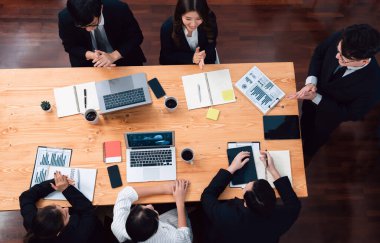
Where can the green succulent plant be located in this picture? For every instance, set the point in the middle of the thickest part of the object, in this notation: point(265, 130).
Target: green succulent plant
point(45, 105)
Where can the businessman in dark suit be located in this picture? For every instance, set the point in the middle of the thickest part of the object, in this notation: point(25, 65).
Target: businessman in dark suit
point(343, 84)
point(257, 217)
point(100, 33)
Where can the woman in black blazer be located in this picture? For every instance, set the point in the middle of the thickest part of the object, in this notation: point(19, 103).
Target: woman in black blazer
point(190, 36)
point(54, 223)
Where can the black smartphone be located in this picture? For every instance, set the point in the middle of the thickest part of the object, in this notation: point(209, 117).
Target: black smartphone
point(156, 87)
point(114, 174)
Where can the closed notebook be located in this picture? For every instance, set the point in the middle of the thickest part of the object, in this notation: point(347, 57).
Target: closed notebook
point(245, 174)
point(112, 151)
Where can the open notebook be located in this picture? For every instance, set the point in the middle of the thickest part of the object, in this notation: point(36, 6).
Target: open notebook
point(84, 181)
point(281, 159)
point(209, 88)
point(70, 99)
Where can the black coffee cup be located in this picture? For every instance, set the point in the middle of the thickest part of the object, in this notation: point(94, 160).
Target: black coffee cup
point(187, 155)
point(171, 103)
point(91, 116)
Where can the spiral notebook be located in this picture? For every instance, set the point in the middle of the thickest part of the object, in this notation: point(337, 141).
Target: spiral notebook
point(209, 88)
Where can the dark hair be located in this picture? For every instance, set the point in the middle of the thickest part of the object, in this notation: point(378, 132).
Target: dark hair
point(47, 223)
point(201, 7)
point(360, 41)
point(141, 223)
point(261, 199)
point(84, 11)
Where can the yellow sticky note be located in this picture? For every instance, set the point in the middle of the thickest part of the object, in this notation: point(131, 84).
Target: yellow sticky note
point(212, 114)
point(228, 95)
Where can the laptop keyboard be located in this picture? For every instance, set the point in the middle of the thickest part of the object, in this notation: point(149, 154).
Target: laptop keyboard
point(124, 98)
point(146, 158)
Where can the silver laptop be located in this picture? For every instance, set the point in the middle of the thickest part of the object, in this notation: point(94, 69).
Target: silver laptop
point(150, 156)
point(122, 93)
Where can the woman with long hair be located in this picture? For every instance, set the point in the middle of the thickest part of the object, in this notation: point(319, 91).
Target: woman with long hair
point(190, 35)
point(54, 223)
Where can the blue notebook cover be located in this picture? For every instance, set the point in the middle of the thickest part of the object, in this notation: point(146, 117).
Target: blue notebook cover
point(248, 172)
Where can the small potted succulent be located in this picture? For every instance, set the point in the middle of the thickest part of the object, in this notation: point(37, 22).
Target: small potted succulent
point(45, 105)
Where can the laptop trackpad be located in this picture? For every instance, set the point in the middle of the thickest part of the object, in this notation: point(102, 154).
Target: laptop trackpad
point(151, 174)
point(121, 84)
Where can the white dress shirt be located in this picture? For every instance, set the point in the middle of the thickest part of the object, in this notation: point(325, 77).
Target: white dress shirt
point(167, 231)
point(193, 39)
point(314, 80)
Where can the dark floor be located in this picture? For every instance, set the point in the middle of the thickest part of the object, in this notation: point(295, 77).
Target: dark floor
point(343, 182)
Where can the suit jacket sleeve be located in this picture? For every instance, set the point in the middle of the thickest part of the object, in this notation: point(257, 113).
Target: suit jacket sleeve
point(291, 204)
point(88, 223)
point(78, 201)
point(339, 112)
point(315, 67)
point(209, 199)
point(132, 34)
point(71, 37)
point(29, 198)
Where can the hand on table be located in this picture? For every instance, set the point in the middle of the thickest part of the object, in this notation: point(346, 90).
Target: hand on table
point(179, 190)
point(61, 182)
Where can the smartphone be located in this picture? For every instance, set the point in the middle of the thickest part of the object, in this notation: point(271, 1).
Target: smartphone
point(156, 87)
point(114, 174)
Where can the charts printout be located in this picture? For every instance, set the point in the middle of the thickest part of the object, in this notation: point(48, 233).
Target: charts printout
point(49, 157)
point(260, 90)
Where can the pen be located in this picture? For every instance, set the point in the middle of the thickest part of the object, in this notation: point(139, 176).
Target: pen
point(266, 165)
point(199, 93)
point(85, 98)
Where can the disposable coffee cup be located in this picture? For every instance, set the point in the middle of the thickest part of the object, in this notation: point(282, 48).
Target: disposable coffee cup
point(171, 103)
point(187, 155)
point(91, 116)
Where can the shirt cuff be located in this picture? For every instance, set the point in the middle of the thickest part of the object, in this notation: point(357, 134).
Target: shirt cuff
point(311, 80)
point(317, 99)
point(130, 193)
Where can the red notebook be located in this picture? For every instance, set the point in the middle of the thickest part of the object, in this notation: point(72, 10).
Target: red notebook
point(112, 151)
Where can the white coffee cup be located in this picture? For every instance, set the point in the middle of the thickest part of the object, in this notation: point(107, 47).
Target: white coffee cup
point(91, 116)
point(187, 155)
point(171, 103)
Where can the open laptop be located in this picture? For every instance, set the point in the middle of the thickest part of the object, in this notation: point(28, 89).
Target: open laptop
point(122, 93)
point(150, 156)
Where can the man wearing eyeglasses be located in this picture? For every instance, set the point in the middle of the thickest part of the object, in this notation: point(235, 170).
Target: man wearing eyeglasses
point(100, 33)
point(343, 84)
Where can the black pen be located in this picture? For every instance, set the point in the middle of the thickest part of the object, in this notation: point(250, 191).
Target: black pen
point(85, 98)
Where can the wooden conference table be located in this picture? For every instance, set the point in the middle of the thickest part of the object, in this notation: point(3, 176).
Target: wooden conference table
point(24, 127)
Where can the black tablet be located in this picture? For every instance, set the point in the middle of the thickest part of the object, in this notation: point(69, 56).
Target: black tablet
point(281, 127)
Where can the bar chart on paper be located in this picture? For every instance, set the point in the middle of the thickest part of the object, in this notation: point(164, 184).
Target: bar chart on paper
point(49, 157)
point(53, 156)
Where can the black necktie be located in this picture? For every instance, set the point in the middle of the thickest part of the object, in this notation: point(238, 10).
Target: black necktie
point(338, 74)
point(101, 45)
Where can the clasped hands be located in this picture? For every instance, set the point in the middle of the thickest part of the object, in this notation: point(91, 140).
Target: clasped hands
point(199, 57)
point(308, 92)
point(103, 59)
point(61, 182)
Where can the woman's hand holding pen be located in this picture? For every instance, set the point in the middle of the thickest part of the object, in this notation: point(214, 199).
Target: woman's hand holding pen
point(269, 164)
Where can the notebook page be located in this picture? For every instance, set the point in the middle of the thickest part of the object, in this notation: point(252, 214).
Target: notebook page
point(221, 88)
point(66, 101)
point(196, 92)
point(92, 98)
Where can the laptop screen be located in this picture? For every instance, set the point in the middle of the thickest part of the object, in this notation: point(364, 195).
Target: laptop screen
point(149, 139)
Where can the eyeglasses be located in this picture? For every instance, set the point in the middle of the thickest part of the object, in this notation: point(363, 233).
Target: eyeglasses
point(89, 25)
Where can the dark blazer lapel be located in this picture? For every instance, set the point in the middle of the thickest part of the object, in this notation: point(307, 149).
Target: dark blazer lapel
point(184, 41)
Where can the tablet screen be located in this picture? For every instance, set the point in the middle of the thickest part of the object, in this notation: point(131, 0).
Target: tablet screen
point(281, 127)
